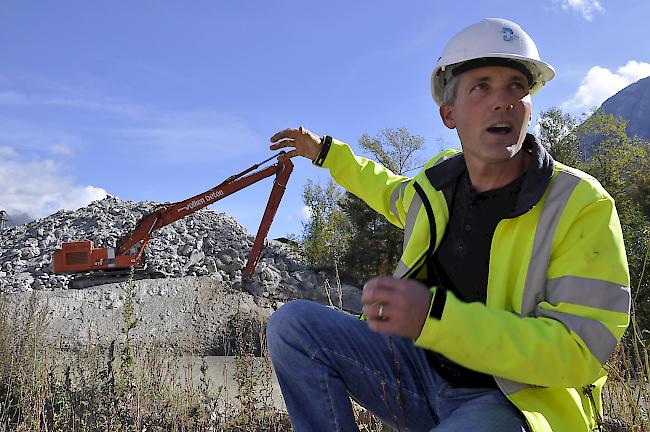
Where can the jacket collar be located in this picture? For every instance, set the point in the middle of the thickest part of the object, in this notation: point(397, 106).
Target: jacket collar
point(444, 175)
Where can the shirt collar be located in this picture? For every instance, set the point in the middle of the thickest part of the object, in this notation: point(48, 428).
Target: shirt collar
point(445, 174)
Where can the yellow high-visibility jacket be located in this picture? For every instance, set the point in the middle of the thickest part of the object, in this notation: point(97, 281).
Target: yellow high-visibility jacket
point(558, 294)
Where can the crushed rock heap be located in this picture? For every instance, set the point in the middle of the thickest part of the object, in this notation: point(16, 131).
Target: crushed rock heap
point(204, 243)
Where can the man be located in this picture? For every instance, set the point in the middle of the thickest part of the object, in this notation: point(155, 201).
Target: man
point(513, 287)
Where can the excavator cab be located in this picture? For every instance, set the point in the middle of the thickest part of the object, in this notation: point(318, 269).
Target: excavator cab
point(81, 256)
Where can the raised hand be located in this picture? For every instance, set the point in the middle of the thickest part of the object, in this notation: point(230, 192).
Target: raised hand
point(304, 142)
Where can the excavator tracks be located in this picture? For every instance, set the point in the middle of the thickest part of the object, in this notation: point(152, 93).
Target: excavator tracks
point(102, 277)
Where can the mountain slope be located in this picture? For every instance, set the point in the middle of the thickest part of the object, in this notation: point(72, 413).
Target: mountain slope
point(633, 104)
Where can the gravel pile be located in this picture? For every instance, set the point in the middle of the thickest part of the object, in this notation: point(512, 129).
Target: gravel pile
point(194, 309)
point(205, 243)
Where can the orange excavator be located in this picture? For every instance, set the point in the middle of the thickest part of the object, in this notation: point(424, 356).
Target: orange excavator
point(102, 265)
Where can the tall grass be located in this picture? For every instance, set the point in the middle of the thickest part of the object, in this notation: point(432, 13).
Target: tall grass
point(626, 397)
point(125, 387)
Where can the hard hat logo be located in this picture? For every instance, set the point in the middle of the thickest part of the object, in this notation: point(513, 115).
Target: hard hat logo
point(509, 35)
point(477, 45)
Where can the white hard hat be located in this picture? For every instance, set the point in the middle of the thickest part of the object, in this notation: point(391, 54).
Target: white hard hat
point(491, 41)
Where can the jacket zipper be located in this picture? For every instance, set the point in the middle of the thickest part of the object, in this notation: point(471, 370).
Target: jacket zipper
point(588, 391)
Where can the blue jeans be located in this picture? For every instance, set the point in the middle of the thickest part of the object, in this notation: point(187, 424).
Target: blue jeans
point(323, 357)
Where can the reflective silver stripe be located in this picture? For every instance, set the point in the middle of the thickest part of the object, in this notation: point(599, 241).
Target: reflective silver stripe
point(111, 256)
point(561, 188)
point(595, 334)
point(589, 292)
point(394, 197)
point(600, 341)
point(401, 269)
point(411, 216)
point(509, 387)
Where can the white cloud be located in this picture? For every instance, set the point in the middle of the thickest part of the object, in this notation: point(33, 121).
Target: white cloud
point(61, 149)
point(601, 83)
point(305, 213)
point(37, 188)
point(586, 8)
point(7, 152)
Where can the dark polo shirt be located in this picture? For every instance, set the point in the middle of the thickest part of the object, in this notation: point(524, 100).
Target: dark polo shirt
point(463, 258)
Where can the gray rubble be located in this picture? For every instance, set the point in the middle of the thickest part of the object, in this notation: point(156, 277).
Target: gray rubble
point(203, 256)
point(200, 244)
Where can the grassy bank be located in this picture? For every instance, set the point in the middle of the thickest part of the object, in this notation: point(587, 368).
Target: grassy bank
point(125, 387)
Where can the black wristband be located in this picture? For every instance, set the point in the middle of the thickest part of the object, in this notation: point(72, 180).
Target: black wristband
point(438, 304)
point(326, 143)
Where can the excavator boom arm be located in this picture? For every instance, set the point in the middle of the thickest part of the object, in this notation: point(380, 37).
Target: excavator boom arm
point(279, 186)
point(166, 214)
point(81, 256)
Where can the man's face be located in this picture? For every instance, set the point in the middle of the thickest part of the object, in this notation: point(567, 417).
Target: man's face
point(491, 113)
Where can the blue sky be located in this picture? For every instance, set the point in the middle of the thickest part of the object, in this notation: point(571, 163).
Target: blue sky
point(161, 100)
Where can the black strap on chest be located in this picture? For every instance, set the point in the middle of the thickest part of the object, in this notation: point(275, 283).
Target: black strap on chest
point(436, 276)
point(434, 269)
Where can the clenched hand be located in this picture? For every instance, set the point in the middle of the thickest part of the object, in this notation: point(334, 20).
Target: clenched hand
point(396, 306)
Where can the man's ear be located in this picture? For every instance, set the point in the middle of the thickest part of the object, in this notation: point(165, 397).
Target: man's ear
point(447, 115)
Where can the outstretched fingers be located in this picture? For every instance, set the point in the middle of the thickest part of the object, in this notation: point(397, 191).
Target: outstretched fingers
point(286, 133)
point(304, 142)
point(282, 144)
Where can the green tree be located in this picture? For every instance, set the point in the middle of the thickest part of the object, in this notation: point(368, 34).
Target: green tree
point(557, 132)
point(375, 246)
point(615, 159)
point(396, 149)
point(327, 232)
point(640, 188)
